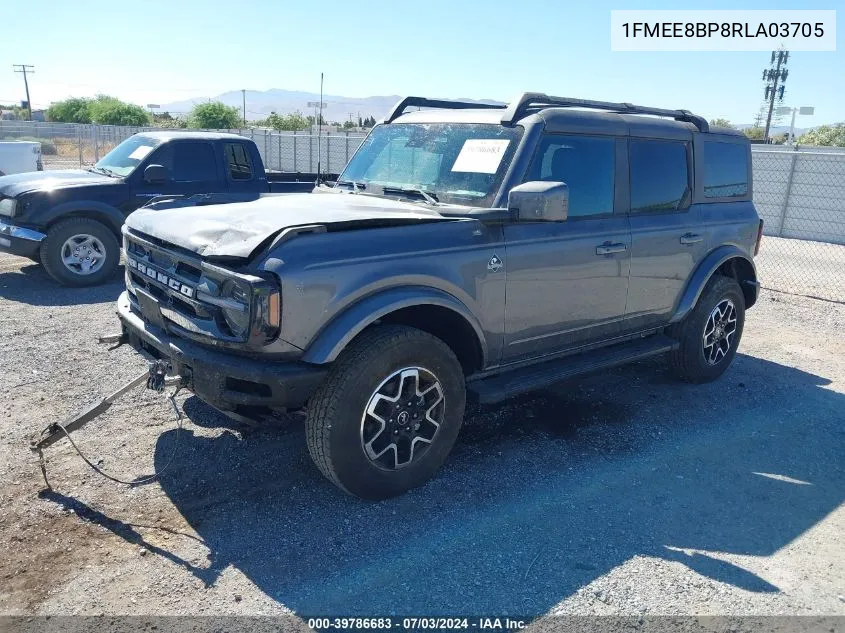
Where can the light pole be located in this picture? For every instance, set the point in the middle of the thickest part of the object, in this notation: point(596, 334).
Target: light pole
point(804, 110)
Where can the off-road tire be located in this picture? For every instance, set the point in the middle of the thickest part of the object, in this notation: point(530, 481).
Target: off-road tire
point(688, 362)
point(335, 411)
point(51, 256)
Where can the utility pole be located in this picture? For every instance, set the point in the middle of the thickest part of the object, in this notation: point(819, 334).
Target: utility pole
point(776, 72)
point(320, 129)
point(25, 68)
point(243, 93)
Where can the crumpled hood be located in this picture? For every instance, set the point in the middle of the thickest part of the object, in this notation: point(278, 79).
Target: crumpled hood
point(237, 229)
point(17, 184)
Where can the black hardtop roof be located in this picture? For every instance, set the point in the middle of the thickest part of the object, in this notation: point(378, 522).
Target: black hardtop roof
point(554, 111)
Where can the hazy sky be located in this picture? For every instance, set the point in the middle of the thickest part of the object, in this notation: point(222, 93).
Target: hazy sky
point(158, 52)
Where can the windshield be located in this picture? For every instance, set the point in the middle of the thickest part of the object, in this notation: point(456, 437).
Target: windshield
point(124, 158)
point(456, 163)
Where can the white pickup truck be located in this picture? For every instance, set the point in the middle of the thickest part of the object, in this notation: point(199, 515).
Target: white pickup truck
point(17, 157)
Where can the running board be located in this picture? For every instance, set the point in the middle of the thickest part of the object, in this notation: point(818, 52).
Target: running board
point(497, 388)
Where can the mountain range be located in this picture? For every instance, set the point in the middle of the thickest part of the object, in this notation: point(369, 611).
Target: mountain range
point(260, 103)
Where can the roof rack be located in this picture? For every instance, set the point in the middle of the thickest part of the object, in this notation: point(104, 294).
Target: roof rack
point(422, 102)
point(531, 101)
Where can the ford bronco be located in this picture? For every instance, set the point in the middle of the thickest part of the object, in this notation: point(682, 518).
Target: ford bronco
point(466, 251)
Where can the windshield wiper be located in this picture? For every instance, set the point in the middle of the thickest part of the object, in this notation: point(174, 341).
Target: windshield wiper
point(428, 197)
point(356, 186)
point(105, 170)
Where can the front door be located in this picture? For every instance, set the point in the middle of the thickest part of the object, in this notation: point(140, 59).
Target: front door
point(192, 167)
point(567, 281)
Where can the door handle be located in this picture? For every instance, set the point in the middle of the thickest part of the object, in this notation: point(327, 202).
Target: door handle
point(608, 248)
point(691, 238)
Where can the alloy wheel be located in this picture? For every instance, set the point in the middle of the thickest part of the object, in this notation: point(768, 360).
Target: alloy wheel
point(719, 332)
point(402, 417)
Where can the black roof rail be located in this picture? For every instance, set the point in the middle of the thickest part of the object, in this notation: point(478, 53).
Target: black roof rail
point(537, 101)
point(422, 102)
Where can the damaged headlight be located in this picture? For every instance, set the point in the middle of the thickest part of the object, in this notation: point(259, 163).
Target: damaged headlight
point(249, 307)
point(236, 307)
point(8, 206)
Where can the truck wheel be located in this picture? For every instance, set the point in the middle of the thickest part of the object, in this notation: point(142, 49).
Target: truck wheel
point(710, 334)
point(388, 413)
point(80, 252)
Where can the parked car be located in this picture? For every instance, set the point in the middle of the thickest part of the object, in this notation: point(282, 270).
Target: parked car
point(70, 220)
point(17, 157)
point(465, 251)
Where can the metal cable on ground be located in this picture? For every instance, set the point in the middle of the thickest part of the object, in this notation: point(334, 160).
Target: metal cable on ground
point(143, 480)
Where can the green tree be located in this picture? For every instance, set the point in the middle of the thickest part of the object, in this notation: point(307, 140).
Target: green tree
point(214, 115)
point(722, 123)
point(754, 133)
point(286, 122)
point(107, 110)
point(73, 110)
point(829, 135)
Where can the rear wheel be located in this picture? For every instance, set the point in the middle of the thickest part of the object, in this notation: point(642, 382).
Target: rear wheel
point(388, 413)
point(80, 252)
point(710, 334)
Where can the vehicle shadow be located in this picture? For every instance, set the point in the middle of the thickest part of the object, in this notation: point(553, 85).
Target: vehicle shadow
point(31, 284)
point(539, 498)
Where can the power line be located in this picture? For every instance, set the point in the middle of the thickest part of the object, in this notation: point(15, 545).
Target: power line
point(24, 68)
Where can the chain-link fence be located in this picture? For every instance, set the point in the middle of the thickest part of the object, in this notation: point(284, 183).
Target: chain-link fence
point(800, 193)
point(68, 146)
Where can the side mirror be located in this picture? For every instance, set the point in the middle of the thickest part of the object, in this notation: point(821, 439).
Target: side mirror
point(155, 174)
point(539, 201)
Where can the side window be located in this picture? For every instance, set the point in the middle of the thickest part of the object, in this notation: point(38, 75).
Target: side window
point(659, 175)
point(587, 164)
point(725, 170)
point(190, 161)
point(237, 161)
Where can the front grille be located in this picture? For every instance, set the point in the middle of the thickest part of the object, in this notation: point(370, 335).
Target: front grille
point(168, 276)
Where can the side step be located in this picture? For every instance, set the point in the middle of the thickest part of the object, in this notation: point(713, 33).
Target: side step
point(540, 375)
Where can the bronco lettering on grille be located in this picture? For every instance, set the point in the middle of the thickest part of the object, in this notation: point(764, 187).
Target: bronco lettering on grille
point(161, 278)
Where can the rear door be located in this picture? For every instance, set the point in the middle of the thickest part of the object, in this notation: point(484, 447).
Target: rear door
point(192, 167)
point(567, 281)
point(668, 241)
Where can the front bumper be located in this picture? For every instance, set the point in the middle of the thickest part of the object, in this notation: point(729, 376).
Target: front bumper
point(240, 386)
point(18, 240)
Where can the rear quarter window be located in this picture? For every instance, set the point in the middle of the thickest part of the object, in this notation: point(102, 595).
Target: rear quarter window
point(725, 170)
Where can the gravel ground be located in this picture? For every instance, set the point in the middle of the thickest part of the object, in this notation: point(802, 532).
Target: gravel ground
point(621, 493)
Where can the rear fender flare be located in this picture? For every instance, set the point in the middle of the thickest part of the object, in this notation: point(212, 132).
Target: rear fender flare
point(335, 336)
point(699, 278)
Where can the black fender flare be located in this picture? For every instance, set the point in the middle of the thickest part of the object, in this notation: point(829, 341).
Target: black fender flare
point(334, 337)
point(100, 211)
point(699, 278)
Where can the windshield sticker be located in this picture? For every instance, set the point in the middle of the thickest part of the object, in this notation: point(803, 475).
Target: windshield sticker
point(141, 152)
point(481, 155)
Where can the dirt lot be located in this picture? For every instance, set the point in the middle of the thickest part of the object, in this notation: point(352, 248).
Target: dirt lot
point(622, 493)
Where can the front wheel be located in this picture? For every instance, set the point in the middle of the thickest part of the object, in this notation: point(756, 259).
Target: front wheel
point(388, 413)
point(710, 334)
point(80, 252)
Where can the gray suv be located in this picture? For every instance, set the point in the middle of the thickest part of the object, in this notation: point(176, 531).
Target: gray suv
point(467, 251)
